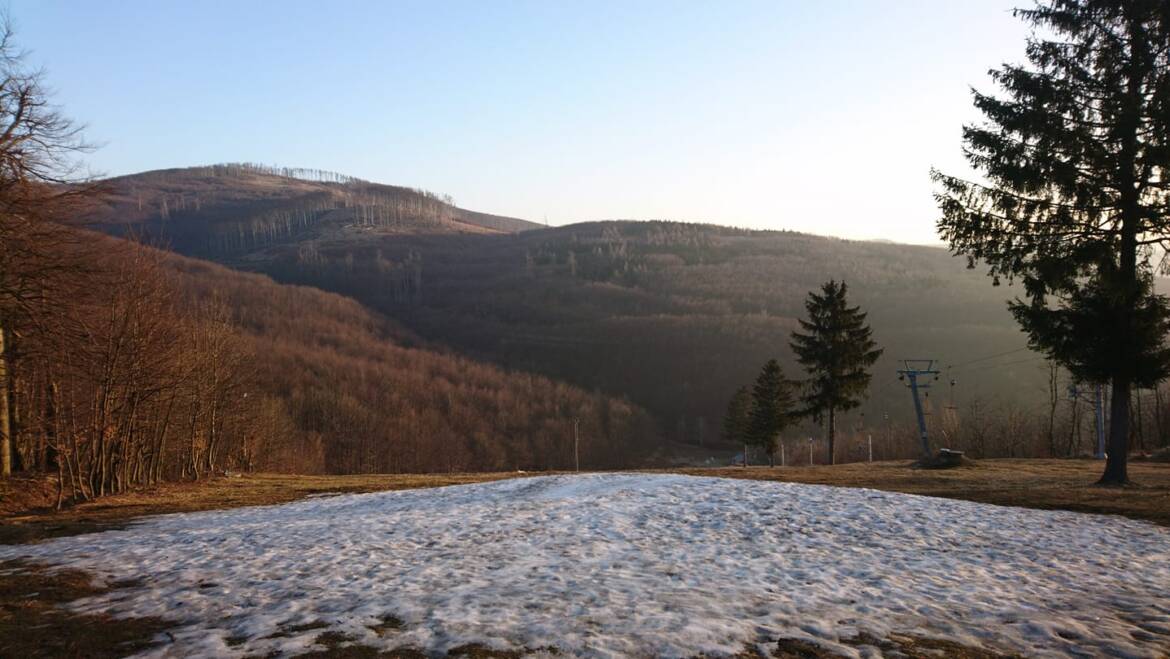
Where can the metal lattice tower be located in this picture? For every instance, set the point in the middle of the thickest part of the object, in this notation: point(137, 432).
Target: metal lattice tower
point(917, 374)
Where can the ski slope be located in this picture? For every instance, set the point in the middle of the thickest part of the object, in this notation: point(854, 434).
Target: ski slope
point(635, 564)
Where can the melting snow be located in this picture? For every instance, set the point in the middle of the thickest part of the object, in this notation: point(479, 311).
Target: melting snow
point(635, 564)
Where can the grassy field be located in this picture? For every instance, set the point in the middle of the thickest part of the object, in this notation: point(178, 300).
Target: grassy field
point(33, 624)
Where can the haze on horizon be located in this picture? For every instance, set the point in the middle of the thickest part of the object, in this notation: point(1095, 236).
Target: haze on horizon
point(821, 117)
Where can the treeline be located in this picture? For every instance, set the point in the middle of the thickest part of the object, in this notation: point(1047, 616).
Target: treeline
point(1064, 425)
point(983, 426)
point(118, 384)
point(302, 173)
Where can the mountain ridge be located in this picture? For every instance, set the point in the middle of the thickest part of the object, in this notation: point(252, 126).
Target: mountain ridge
point(673, 316)
point(216, 210)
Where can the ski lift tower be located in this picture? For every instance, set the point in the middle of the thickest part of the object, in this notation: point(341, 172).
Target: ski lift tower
point(917, 373)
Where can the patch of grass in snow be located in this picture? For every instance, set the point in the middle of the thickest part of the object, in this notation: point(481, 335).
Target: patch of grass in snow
point(235, 641)
point(363, 652)
point(388, 623)
point(293, 630)
point(336, 647)
point(477, 651)
point(896, 645)
point(33, 622)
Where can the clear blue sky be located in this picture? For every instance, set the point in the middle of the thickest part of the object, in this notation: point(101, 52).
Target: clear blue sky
point(820, 116)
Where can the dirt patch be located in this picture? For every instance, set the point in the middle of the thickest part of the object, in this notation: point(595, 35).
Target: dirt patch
point(387, 625)
point(34, 623)
point(945, 459)
point(335, 649)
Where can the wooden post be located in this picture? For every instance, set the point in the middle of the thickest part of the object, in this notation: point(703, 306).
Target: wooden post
point(576, 444)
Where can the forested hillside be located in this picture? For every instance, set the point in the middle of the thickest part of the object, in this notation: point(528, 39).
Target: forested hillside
point(673, 316)
point(357, 393)
point(227, 210)
point(677, 316)
point(160, 367)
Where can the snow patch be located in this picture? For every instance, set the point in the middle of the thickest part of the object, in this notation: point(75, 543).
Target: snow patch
point(612, 565)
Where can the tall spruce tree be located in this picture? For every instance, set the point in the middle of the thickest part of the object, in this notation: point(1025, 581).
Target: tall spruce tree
point(1075, 198)
point(836, 349)
point(772, 408)
point(737, 420)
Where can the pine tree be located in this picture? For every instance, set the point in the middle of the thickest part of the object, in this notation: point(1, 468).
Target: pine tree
point(772, 408)
point(735, 422)
point(1075, 153)
point(836, 350)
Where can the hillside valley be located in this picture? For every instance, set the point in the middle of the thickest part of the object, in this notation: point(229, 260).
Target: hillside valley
point(671, 316)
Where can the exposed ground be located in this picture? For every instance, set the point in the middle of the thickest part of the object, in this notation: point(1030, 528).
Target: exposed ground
point(32, 623)
point(1042, 484)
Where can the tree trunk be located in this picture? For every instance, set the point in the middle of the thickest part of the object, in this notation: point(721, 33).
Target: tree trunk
point(50, 457)
point(1053, 401)
point(5, 421)
point(1158, 415)
point(1117, 445)
point(1137, 419)
point(1127, 285)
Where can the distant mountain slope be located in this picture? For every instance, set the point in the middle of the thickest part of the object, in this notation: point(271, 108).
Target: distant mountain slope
point(358, 394)
point(672, 316)
point(676, 316)
point(225, 210)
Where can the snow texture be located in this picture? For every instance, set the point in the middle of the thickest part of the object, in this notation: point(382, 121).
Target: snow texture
point(634, 565)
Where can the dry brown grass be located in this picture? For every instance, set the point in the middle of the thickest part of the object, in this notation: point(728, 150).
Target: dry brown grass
point(1043, 484)
point(895, 645)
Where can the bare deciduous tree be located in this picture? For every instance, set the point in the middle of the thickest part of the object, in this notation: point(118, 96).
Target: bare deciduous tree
point(39, 185)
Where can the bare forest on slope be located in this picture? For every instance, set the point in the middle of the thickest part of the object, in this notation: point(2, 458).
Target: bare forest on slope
point(158, 367)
